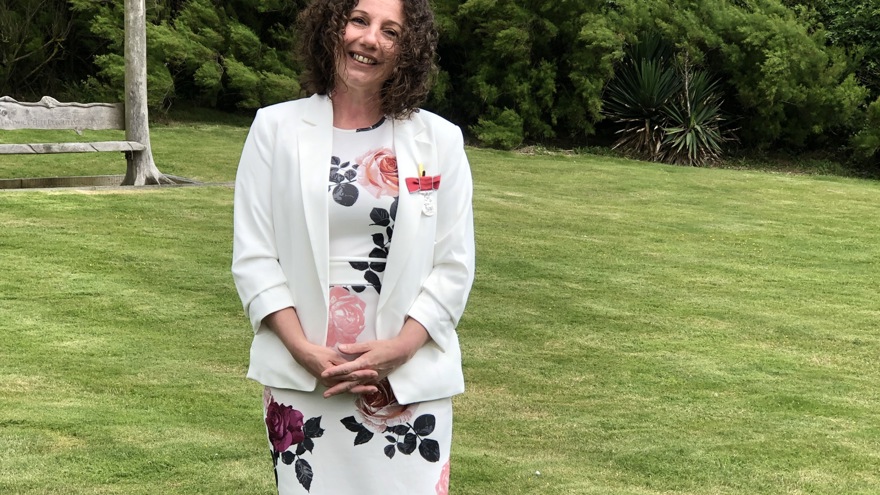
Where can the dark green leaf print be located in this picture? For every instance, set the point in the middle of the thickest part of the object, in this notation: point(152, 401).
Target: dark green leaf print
point(363, 436)
point(345, 194)
point(372, 278)
point(304, 473)
point(398, 429)
point(408, 445)
point(342, 182)
point(424, 425)
point(351, 424)
point(380, 217)
point(389, 451)
point(404, 438)
point(312, 428)
point(307, 444)
point(430, 450)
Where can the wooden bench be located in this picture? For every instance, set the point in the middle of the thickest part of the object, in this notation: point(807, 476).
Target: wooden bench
point(49, 114)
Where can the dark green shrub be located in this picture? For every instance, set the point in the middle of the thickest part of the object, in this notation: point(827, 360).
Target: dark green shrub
point(867, 141)
point(504, 131)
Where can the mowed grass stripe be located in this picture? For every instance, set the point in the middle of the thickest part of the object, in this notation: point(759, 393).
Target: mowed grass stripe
point(634, 329)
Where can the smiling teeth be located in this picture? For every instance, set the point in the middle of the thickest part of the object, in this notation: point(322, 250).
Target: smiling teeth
point(362, 59)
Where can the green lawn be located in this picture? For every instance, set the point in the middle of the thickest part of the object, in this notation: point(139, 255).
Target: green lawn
point(204, 152)
point(634, 329)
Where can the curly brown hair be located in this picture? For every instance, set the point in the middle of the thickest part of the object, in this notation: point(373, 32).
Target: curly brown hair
point(319, 30)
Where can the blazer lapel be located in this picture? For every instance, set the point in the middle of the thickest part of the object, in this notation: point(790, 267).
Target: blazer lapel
point(412, 148)
point(315, 143)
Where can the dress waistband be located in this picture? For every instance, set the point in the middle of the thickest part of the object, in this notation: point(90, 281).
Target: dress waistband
point(351, 271)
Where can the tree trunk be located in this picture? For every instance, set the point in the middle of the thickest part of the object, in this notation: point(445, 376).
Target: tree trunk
point(141, 169)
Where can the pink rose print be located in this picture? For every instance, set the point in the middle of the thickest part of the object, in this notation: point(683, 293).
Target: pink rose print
point(381, 410)
point(346, 317)
point(285, 426)
point(377, 173)
point(442, 486)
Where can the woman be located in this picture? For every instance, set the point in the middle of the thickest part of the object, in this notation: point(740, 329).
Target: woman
point(354, 335)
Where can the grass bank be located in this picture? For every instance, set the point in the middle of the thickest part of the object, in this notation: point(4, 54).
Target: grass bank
point(634, 329)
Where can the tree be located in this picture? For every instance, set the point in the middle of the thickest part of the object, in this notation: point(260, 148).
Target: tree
point(793, 73)
point(516, 70)
point(508, 70)
point(33, 38)
point(141, 168)
point(234, 56)
point(782, 82)
point(867, 141)
point(853, 25)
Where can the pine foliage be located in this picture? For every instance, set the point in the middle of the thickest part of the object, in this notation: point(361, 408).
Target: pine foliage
point(793, 73)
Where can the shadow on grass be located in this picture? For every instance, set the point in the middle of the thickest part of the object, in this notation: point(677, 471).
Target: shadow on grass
point(86, 182)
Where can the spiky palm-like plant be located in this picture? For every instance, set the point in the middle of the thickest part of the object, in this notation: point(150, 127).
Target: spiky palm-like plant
point(636, 99)
point(693, 126)
point(667, 112)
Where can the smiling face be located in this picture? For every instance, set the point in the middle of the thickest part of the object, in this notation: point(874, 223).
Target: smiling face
point(370, 46)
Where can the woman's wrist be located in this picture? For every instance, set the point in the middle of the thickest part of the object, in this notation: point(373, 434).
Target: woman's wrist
point(413, 336)
point(285, 324)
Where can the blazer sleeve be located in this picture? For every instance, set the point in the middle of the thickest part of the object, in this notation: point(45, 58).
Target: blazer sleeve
point(259, 278)
point(443, 295)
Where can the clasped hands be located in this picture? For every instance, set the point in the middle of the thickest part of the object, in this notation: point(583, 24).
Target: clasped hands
point(374, 361)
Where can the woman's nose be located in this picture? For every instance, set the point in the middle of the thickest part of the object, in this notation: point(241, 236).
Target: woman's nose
point(371, 36)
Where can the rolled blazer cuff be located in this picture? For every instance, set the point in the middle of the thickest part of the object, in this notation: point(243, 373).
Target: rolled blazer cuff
point(429, 375)
point(267, 302)
point(427, 311)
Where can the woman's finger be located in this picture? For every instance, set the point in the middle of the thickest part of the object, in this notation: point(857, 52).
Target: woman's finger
point(344, 369)
point(350, 387)
point(356, 348)
point(364, 389)
point(339, 388)
point(363, 376)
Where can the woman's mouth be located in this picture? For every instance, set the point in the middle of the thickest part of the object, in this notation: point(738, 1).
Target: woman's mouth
point(362, 59)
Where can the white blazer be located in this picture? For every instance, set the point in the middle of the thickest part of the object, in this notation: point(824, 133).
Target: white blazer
point(280, 250)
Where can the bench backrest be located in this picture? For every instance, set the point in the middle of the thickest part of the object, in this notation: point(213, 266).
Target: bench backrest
point(49, 113)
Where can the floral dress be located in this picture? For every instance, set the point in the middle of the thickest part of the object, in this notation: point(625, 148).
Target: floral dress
point(350, 444)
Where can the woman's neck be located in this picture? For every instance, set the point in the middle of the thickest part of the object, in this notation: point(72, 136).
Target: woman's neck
point(355, 111)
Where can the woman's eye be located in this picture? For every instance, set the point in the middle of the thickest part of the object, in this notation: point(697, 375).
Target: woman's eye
point(358, 20)
point(391, 33)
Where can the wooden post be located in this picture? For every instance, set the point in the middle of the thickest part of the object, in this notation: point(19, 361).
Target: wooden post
point(141, 168)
